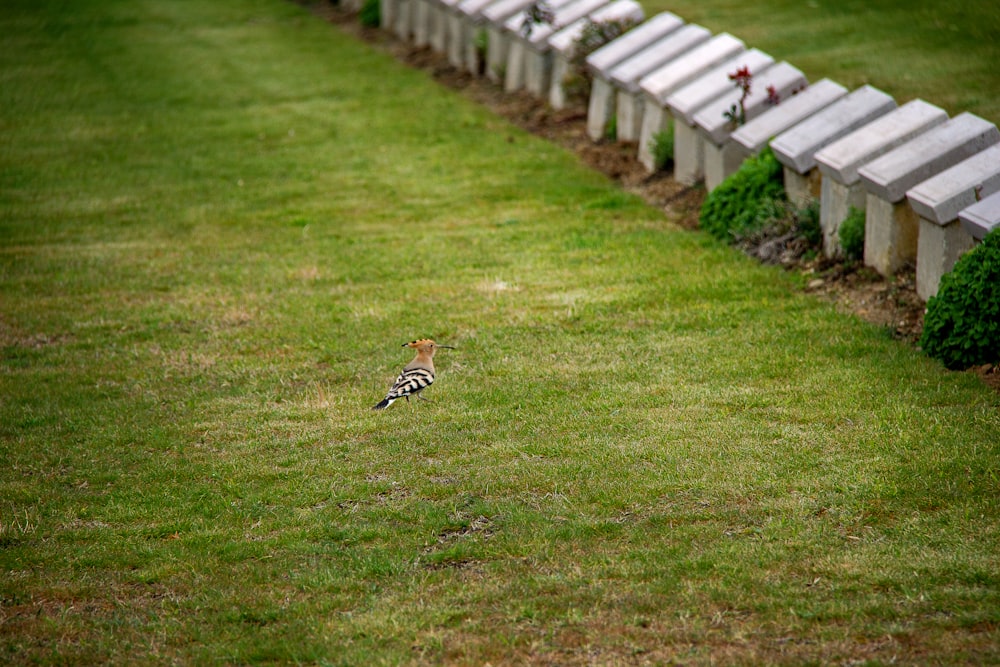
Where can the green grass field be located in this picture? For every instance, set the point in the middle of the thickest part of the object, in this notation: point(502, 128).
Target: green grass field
point(220, 221)
point(942, 52)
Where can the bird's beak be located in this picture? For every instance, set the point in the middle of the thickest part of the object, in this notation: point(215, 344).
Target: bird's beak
point(448, 347)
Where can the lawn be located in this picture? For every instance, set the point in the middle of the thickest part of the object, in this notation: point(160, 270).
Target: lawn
point(942, 52)
point(219, 223)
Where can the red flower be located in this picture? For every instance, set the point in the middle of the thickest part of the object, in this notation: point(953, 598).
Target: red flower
point(741, 73)
point(773, 98)
point(742, 77)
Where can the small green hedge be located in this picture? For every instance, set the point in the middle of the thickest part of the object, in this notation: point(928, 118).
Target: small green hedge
point(962, 324)
point(370, 14)
point(852, 234)
point(661, 145)
point(742, 202)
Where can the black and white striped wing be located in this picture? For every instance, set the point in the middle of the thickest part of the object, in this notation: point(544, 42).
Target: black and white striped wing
point(409, 383)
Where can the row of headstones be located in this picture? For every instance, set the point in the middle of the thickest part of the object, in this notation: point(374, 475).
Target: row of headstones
point(929, 185)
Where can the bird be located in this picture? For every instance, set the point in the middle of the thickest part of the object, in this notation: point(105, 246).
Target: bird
point(416, 376)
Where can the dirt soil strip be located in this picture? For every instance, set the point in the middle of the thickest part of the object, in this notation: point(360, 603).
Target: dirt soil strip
point(890, 303)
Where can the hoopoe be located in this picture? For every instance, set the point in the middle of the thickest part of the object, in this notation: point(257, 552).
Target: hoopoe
point(416, 376)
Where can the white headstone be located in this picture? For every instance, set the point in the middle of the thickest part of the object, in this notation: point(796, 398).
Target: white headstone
point(941, 197)
point(527, 39)
point(659, 83)
point(796, 148)
point(688, 100)
point(892, 227)
point(722, 157)
point(839, 162)
point(564, 42)
point(421, 22)
point(891, 175)
point(466, 26)
point(625, 76)
point(603, 59)
point(938, 201)
point(495, 16)
point(697, 57)
point(841, 159)
point(753, 137)
point(781, 79)
point(982, 217)
point(689, 146)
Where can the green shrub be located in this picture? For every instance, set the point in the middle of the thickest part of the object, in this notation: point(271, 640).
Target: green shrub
point(744, 201)
point(782, 233)
point(807, 223)
point(611, 131)
point(370, 14)
point(481, 42)
point(962, 324)
point(661, 145)
point(852, 234)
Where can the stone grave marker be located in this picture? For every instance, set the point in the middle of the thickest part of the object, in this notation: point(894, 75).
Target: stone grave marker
point(495, 17)
point(722, 156)
point(468, 35)
point(891, 225)
point(514, 31)
point(564, 42)
point(658, 84)
point(841, 187)
point(629, 75)
point(941, 240)
point(404, 19)
point(753, 137)
point(982, 217)
point(601, 105)
point(532, 53)
point(387, 14)
point(796, 147)
point(684, 103)
point(421, 21)
point(443, 10)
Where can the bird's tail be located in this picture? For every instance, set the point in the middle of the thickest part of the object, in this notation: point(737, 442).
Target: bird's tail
point(383, 404)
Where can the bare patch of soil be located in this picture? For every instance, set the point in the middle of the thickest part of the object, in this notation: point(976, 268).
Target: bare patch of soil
point(891, 303)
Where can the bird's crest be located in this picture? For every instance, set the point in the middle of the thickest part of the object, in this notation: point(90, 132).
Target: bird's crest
point(418, 343)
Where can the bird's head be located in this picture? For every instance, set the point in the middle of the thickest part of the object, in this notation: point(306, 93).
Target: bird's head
point(426, 345)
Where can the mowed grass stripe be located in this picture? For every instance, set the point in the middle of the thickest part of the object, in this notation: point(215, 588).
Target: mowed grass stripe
point(940, 52)
point(221, 222)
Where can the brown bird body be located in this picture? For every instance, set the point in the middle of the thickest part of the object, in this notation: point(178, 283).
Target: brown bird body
point(416, 376)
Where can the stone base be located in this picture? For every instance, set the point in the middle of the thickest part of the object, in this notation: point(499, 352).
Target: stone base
point(629, 115)
point(439, 28)
point(557, 94)
point(455, 27)
point(689, 153)
point(802, 188)
point(517, 56)
point(721, 162)
point(421, 22)
point(655, 119)
point(475, 59)
point(938, 248)
point(890, 235)
point(387, 13)
point(497, 46)
point(404, 9)
point(537, 72)
point(600, 108)
point(835, 203)
point(980, 219)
